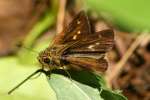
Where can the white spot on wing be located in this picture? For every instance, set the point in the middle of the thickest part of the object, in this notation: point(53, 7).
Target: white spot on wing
point(97, 43)
point(91, 46)
point(78, 22)
point(74, 37)
point(78, 32)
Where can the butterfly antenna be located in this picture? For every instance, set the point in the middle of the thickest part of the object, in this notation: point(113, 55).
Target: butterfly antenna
point(24, 47)
point(30, 49)
point(36, 76)
point(39, 70)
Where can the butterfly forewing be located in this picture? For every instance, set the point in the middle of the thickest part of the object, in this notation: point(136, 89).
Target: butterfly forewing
point(99, 42)
point(76, 30)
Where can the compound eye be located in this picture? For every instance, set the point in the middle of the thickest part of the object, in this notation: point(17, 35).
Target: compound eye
point(46, 60)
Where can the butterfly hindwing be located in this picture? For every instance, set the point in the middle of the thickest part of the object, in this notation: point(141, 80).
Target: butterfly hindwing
point(91, 64)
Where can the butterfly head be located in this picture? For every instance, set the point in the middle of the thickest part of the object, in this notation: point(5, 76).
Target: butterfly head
point(45, 59)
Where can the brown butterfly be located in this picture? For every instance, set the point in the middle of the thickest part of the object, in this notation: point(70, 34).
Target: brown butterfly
point(77, 48)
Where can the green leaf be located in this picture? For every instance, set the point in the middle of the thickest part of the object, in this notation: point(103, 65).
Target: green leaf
point(82, 85)
point(111, 95)
point(67, 89)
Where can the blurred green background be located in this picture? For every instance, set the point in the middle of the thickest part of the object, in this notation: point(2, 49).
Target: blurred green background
point(129, 15)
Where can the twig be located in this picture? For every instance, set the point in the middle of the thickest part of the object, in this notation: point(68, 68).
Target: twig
point(119, 66)
point(120, 45)
point(61, 15)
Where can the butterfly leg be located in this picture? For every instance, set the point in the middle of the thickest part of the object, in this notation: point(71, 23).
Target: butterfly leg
point(67, 72)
